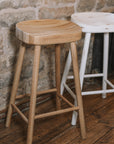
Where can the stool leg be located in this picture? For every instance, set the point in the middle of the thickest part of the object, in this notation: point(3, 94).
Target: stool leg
point(82, 69)
point(66, 71)
point(105, 62)
point(74, 115)
point(78, 89)
point(84, 57)
point(57, 67)
point(33, 93)
point(15, 84)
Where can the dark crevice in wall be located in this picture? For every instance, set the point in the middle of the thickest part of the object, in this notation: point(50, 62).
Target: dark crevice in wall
point(97, 60)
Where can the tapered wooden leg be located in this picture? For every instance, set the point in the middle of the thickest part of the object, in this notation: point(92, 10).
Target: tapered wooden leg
point(78, 88)
point(57, 67)
point(15, 84)
point(82, 68)
point(33, 93)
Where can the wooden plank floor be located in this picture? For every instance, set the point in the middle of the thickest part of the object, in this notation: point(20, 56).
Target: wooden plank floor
point(99, 116)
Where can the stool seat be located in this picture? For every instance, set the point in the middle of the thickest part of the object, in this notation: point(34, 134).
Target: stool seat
point(41, 32)
point(94, 22)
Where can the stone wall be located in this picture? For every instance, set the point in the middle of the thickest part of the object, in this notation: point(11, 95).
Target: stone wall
point(13, 11)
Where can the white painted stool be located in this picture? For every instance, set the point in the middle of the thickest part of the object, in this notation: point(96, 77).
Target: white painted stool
point(91, 22)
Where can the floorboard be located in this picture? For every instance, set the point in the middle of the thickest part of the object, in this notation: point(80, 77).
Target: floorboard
point(99, 117)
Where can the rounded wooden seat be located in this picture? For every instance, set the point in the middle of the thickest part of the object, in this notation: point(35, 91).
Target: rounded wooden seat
point(94, 22)
point(47, 31)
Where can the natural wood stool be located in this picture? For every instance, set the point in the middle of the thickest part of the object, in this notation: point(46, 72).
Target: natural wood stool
point(42, 32)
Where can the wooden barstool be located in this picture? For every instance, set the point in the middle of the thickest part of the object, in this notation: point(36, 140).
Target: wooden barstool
point(43, 32)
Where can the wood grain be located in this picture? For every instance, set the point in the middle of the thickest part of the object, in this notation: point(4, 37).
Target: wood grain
point(94, 22)
point(48, 31)
point(58, 130)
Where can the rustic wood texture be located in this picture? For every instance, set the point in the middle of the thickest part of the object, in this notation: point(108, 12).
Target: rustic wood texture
point(99, 117)
point(94, 22)
point(41, 32)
